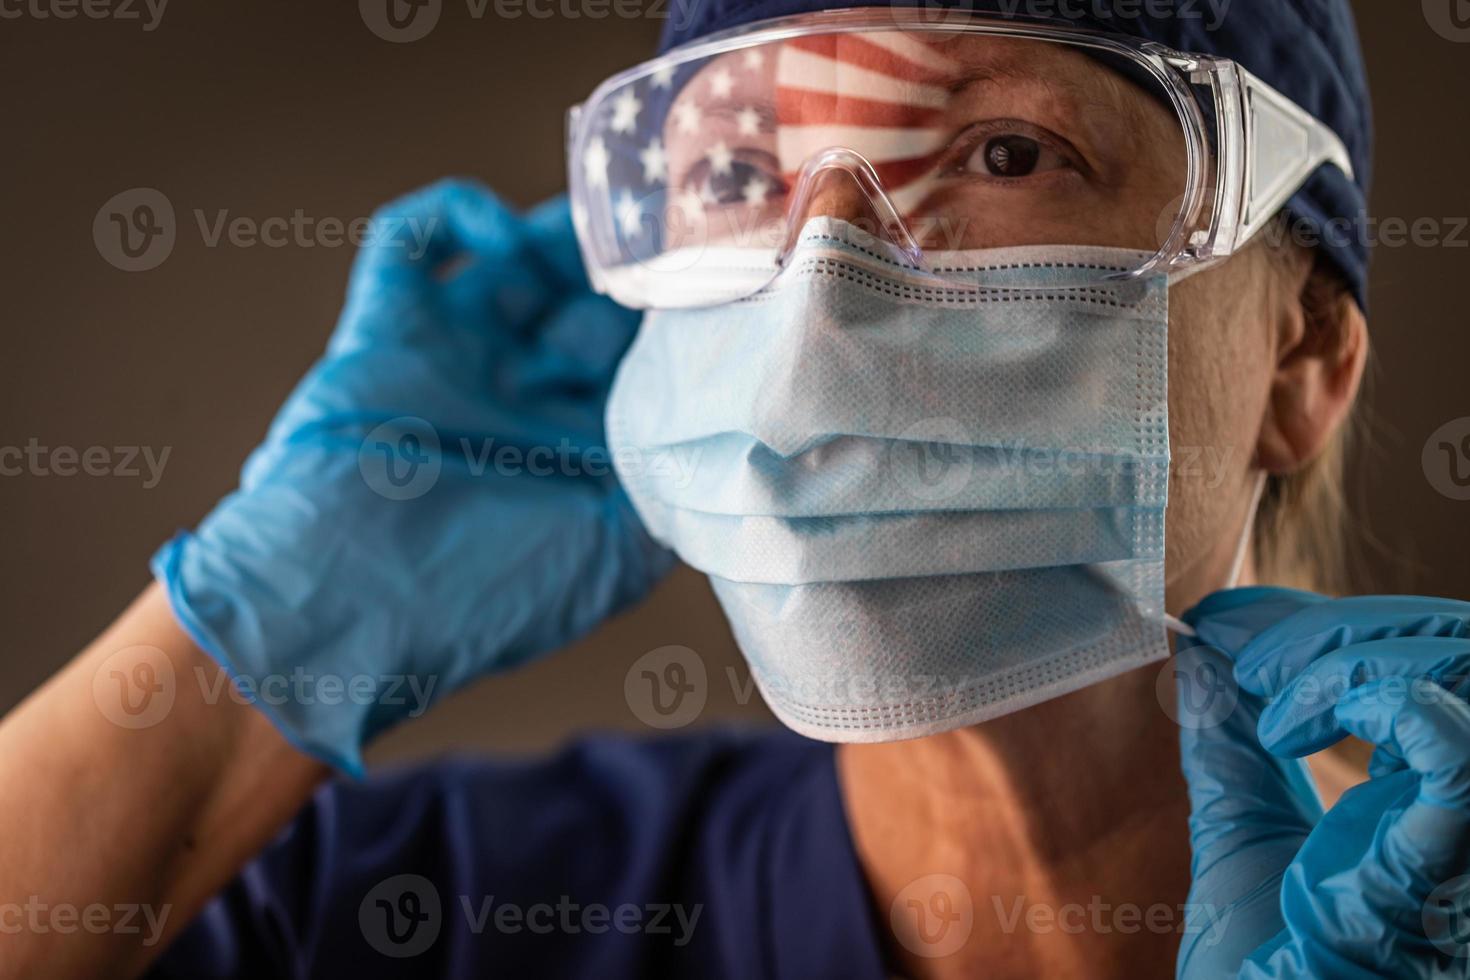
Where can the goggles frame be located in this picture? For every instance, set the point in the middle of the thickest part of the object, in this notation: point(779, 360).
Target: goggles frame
point(1265, 146)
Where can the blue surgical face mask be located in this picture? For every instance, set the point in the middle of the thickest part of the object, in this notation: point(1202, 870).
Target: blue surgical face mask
point(920, 508)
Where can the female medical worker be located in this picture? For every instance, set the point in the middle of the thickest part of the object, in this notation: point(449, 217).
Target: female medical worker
point(969, 239)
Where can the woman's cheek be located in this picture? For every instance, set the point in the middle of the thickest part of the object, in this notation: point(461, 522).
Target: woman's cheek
point(1218, 376)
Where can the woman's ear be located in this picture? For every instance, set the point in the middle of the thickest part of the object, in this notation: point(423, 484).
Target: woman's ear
point(1321, 348)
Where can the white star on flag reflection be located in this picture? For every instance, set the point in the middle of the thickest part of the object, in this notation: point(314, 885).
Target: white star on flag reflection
point(655, 163)
point(630, 216)
point(625, 112)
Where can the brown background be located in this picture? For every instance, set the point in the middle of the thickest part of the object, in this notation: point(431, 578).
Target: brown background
point(269, 106)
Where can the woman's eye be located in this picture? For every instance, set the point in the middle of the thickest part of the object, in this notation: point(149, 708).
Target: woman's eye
point(740, 183)
point(1013, 155)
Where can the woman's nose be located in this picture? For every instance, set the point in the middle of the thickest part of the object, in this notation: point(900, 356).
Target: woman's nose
point(838, 183)
point(838, 195)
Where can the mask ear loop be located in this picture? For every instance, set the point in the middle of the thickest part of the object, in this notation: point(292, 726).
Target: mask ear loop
point(1237, 564)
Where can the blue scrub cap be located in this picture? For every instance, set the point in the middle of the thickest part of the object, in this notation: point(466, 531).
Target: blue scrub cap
point(1306, 49)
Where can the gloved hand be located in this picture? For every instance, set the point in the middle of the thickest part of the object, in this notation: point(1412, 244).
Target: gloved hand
point(434, 501)
point(1373, 888)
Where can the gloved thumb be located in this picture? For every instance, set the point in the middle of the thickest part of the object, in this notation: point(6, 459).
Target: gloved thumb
point(1250, 811)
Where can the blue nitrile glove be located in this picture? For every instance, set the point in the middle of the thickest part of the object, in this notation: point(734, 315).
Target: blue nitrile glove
point(1376, 886)
point(434, 501)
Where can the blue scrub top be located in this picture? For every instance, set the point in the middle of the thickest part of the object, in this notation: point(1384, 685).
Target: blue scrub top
point(710, 855)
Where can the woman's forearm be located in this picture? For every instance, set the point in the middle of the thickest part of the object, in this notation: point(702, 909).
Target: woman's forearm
point(132, 786)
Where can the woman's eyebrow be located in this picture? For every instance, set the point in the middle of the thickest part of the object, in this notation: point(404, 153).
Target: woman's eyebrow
point(976, 75)
point(1071, 93)
point(732, 106)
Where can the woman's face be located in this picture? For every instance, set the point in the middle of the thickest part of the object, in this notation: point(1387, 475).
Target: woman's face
point(1005, 143)
point(980, 142)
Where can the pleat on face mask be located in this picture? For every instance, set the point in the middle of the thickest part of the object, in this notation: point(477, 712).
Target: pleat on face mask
point(920, 508)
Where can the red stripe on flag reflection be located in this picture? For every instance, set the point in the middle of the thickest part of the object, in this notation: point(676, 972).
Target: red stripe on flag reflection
point(880, 95)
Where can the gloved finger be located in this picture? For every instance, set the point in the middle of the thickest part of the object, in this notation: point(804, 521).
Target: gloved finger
point(1423, 841)
point(1249, 813)
point(1249, 810)
point(427, 227)
point(1230, 619)
point(453, 243)
point(556, 296)
point(580, 343)
point(1426, 725)
point(1362, 884)
point(585, 336)
point(549, 228)
point(1279, 653)
point(1385, 762)
point(1345, 908)
point(1300, 719)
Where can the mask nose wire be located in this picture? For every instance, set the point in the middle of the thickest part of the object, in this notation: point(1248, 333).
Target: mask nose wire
point(1237, 564)
point(864, 180)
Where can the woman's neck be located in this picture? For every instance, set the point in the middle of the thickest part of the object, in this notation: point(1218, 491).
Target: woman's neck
point(1064, 824)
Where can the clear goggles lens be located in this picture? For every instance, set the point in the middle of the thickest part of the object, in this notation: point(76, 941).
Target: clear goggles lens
point(693, 179)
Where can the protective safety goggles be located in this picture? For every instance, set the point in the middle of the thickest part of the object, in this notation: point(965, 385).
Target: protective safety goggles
point(693, 175)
